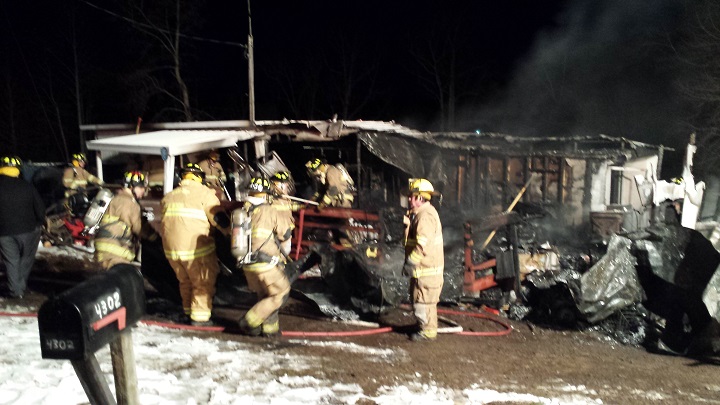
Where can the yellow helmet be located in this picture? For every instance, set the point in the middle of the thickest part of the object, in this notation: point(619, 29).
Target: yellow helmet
point(10, 161)
point(422, 187)
point(313, 165)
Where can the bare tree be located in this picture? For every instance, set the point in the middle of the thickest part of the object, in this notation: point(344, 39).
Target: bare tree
point(698, 51)
point(440, 74)
point(163, 21)
point(352, 80)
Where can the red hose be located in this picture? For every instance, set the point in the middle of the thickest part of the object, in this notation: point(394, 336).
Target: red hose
point(292, 333)
point(19, 314)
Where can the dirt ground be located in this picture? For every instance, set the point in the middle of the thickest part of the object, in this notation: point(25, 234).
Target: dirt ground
point(531, 359)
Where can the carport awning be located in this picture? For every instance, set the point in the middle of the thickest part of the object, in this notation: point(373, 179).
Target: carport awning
point(172, 143)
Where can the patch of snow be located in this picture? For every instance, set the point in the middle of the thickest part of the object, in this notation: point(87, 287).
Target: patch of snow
point(187, 368)
point(385, 355)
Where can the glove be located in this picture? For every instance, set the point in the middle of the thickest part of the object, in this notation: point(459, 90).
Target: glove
point(320, 206)
point(408, 269)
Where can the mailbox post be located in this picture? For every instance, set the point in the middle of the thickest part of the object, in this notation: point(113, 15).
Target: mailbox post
point(78, 322)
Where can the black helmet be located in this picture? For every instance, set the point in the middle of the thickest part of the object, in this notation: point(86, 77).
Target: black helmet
point(192, 168)
point(258, 184)
point(80, 157)
point(281, 177)
point(134, 179)
point(314, 165)
point(283, 183)
point(11, 161)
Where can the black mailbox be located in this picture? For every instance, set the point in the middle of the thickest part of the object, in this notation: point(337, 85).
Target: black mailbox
point(81, 320)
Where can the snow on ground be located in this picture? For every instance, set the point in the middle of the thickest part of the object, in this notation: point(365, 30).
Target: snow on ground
point(180, 367)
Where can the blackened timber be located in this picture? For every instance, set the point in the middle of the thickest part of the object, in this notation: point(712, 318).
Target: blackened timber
point(561, 182)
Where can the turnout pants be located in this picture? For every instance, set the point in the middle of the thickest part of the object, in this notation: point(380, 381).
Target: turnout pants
point(197, 285)
point(18, 252)
point(425, 293)
point(272, 288)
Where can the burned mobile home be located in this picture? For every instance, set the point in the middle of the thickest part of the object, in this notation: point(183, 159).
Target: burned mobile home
point(512, 211)
point(592, 177)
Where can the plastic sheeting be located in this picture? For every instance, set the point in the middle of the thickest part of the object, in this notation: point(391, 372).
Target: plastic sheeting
point(611, 284)
point(397, 151)
point(711, 295)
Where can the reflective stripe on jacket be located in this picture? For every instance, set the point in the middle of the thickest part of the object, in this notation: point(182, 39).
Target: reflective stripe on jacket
point(269, 229)
point(120, 226)
point(77, 177)
point(424, 242)
point(187, 214)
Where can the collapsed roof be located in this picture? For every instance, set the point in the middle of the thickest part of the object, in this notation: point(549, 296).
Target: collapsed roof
point(395, 144)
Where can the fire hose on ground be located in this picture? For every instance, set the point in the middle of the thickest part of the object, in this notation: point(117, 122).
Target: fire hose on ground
point(374, 328)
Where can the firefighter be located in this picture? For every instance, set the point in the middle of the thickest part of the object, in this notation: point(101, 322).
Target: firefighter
point(76, 178)
point(22, 214)
point(334, 186)
point(188, 213)
point(282, 187)
point(265, 273)
point(424, 258)
point(75, 181)
point(215, 177)
point(121, 224)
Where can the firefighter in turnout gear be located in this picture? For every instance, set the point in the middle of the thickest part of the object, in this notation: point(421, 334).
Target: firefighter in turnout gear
point(76, 178)
point(75, 181)
point(424, 258)
point(188, 214)
point(121, 224)
point(215, 177)
point(282, 185)
point(265, 273)
point(334, 186)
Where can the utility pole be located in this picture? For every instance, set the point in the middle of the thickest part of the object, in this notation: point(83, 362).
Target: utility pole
point(251, 69)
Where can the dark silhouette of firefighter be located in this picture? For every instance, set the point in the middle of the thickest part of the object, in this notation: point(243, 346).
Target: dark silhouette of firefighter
point(22, 214)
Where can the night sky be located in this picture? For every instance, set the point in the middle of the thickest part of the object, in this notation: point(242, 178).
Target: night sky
point(540, 68)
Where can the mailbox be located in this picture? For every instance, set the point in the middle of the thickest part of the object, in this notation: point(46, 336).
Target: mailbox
point(81, 320)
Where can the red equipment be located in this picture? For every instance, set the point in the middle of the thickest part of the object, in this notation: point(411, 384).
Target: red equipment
point(347, 226)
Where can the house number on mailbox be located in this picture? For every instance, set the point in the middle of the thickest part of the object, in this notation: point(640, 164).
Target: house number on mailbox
point(107, 304)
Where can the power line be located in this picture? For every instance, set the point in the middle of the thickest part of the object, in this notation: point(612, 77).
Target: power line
point(139, 24)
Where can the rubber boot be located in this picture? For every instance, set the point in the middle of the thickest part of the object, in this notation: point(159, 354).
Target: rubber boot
point(246, 329)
